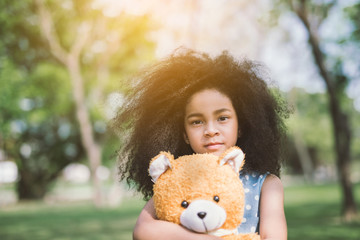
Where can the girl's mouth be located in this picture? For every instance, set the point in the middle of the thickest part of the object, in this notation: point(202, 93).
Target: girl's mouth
point(213, 146)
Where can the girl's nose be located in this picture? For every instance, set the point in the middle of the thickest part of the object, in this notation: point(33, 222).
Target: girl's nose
point(211, 130)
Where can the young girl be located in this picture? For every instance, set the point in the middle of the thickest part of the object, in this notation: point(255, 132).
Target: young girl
point(192, 103)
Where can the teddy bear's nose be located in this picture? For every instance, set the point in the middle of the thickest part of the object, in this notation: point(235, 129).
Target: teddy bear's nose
point(201, 214)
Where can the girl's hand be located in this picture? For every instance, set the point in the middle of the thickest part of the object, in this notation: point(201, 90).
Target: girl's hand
point(148, 227)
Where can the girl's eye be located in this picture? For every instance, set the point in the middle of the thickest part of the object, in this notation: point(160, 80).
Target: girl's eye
point(196, 122)
point(223, 118)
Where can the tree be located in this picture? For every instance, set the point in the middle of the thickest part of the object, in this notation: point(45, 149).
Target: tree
point(71, 60)
point(310, 121)
point(37, 126)
point(96, 52)
point(312, 15)
point(33, 111)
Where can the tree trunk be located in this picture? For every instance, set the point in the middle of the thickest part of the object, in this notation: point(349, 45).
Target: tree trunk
point(93, 150)
point(304, 156)
point(71, 61)
point(33, 183)
point(300, 146)
point(30, 189)
point(339, 119)
point(343, 143)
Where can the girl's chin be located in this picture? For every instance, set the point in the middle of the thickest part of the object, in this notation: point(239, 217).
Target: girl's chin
point(217, 151)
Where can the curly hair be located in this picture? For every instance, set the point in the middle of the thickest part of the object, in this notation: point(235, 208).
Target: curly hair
point(154, 112)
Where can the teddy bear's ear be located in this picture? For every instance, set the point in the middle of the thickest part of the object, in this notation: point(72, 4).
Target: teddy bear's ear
point(234, 157)
point(159, 165)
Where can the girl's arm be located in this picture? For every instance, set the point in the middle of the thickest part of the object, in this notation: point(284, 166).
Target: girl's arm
point(149, 228)
point(272, 216)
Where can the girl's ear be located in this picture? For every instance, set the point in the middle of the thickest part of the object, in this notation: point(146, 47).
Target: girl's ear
point(234, 157)
point(159, 165)
point(186, 139)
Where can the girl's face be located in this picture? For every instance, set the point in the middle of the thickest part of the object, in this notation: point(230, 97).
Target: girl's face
point(211, 124)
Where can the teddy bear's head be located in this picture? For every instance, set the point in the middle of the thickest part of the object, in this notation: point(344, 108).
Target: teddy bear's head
point(202, 192)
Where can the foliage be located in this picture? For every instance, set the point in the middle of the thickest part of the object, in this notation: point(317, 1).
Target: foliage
point(331, 58)
point(353, 13)
point(38, 128)
point(313, 122)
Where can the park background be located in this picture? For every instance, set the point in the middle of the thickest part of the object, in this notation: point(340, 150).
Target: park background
point(65, 68)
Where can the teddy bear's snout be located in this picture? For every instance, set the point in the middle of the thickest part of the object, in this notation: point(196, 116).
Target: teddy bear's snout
point(203, 216)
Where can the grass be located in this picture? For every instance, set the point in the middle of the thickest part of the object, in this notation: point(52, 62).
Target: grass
point(69, 221)
point(312, 213)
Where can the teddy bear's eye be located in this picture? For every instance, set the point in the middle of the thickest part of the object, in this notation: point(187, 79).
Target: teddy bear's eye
point(216, 198)
point(184, 204)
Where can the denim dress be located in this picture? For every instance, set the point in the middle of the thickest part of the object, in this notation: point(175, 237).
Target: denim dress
point(252, 183)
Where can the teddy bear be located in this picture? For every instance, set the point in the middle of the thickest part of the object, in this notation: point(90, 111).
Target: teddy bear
point(201, 192)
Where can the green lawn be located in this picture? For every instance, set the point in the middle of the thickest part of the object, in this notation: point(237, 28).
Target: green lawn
point(68, 221)
point(312, 213)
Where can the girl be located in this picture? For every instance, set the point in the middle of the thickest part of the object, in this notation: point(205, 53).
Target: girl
point(192, 103)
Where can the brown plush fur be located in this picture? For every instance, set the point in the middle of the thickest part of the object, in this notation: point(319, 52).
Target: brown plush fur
point(199, 176)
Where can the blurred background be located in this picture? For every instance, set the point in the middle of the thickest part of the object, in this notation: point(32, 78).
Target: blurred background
point(64, 68)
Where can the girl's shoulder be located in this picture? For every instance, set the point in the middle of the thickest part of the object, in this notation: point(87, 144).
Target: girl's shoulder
point(273, 184)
